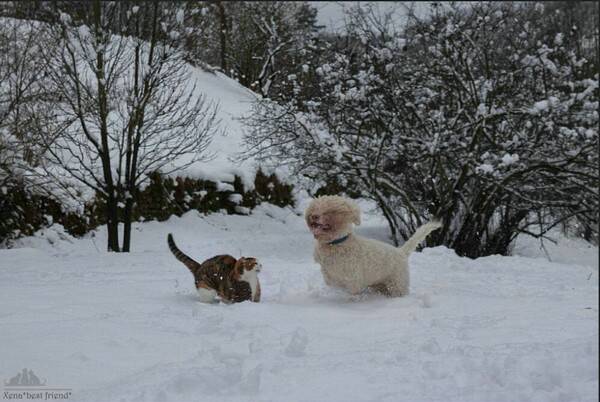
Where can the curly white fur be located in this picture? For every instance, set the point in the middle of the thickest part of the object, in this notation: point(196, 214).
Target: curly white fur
point(357, 263)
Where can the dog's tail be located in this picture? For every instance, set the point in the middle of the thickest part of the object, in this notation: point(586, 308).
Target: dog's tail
point(420, 234)
point(187, 261)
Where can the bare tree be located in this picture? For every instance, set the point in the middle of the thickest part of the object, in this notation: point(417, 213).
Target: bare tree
point(127, 107)
point(257, 43)
point(20, 83)
point(21, 86)
point(274, 45)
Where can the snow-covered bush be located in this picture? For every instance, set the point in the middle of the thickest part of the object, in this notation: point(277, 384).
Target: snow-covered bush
point(476, 115)
point(23, 212)
point(166, 196)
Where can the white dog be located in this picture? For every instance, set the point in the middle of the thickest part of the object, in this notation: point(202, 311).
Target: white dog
point(355, 263)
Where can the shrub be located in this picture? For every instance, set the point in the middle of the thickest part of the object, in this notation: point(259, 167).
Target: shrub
point(23, 213)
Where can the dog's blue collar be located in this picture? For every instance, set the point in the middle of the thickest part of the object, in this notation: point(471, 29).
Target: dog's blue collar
point(338, 241)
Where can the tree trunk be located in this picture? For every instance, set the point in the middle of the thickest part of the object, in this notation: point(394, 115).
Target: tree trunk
point(222, 35)
point(112, 224)
point(127, 216)
point(104, 152)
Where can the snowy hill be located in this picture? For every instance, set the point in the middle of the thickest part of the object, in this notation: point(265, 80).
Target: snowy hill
point(129, 327)
point(233, 100)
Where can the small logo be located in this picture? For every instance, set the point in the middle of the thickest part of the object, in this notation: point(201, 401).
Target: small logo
point(26, 385)
point(24, 378)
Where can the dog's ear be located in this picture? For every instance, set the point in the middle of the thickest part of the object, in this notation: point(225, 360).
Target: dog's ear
point(308, 212)
point(355, 213)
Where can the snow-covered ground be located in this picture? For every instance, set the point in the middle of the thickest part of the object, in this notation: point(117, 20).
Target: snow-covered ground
point(129, 327)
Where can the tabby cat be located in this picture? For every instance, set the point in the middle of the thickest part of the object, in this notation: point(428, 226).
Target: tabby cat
point(222, 276)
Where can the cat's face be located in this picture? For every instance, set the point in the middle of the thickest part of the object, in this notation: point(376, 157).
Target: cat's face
point(245, 266)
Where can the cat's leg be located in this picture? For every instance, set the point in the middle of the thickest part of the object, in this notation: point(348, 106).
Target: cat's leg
point(207, 295)
point(257, 294)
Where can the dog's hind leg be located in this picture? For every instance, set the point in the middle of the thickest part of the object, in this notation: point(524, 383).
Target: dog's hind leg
point(398, 285)
point(390, 288)
point(381, 288)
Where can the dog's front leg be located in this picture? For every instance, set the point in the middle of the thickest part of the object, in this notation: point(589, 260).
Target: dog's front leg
point(316, 255)
point(354, 289)
point(327, 278)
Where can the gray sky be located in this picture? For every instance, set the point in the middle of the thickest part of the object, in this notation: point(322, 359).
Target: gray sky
point(331, 13)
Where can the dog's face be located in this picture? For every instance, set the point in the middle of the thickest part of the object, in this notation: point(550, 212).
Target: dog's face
point(331, 217)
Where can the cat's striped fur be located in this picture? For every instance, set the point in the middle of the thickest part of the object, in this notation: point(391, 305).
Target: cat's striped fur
point(232, 280)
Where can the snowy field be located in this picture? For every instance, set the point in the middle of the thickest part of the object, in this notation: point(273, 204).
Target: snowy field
point(129, 327)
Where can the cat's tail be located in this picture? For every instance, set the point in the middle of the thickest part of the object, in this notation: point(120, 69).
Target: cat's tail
point(187, 261)
point(420, 234)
